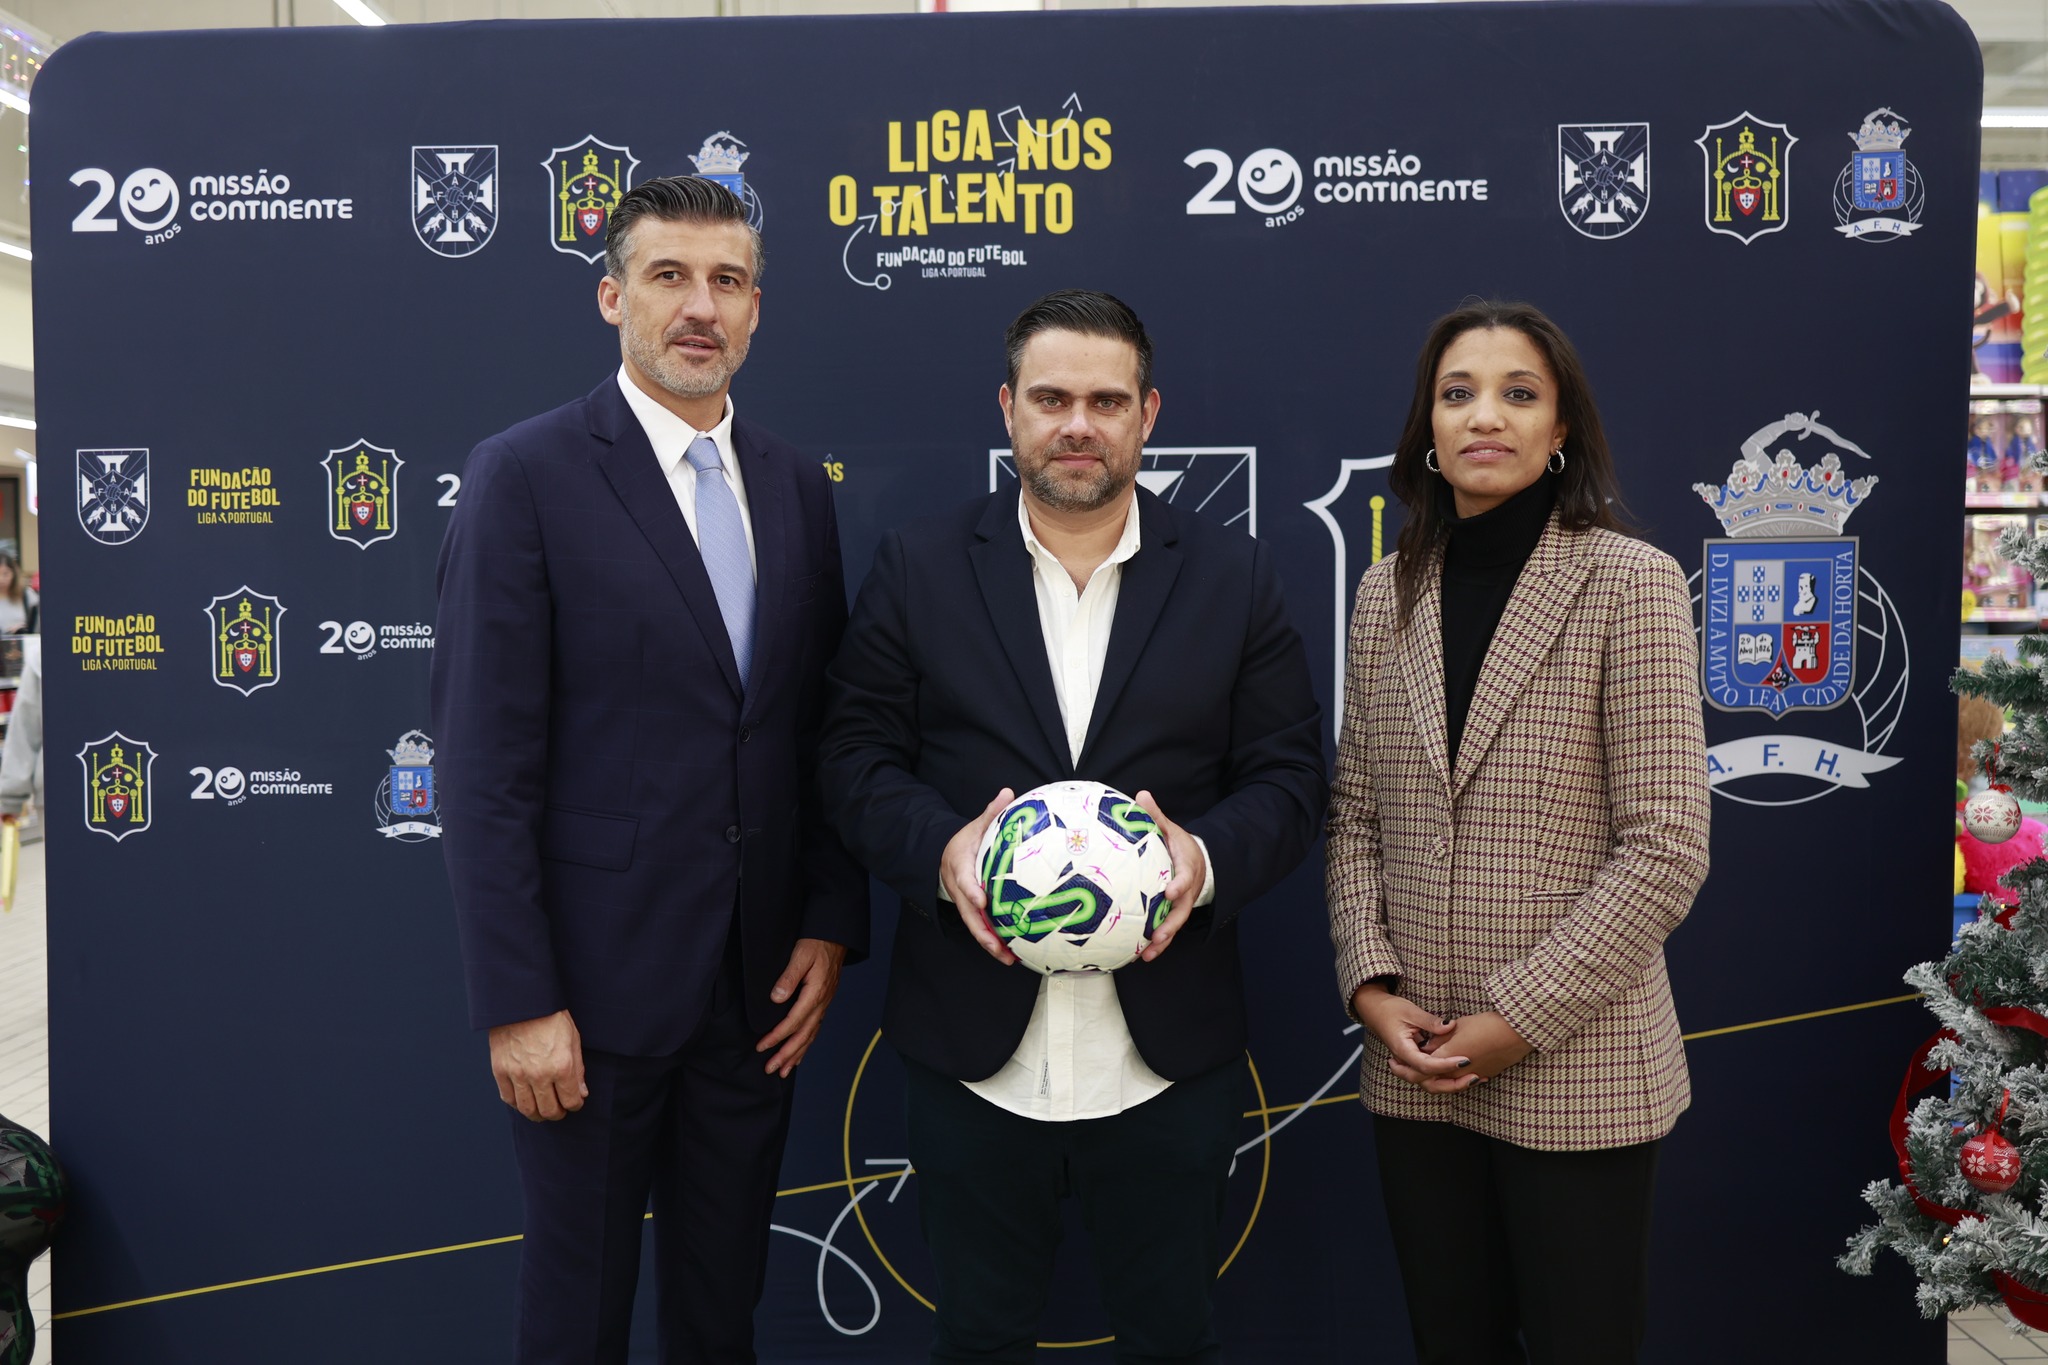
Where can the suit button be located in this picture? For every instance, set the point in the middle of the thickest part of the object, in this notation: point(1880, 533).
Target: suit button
point(745, 734)
point(732, 834)
point(1443, 848)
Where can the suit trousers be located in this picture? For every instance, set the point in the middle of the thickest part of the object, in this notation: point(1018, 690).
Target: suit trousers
point(697, 1136)
point(1511, 1255)
point(1150, 1181)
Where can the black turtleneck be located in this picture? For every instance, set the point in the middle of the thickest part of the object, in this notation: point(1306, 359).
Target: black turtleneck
point(1483, 557)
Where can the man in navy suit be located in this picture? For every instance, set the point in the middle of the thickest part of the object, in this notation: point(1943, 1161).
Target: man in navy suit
point(639, 593)
point(1074, 627)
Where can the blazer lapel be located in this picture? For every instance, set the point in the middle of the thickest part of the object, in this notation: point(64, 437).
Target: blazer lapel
point(1420, 654)
point(768, 509)
point(1002, 566)
point(1536, 612)
point(1147, 580)
point(628, 464)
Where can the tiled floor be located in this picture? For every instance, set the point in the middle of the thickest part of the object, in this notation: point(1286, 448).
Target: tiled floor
point(1979, 1337)
point(25, 1041)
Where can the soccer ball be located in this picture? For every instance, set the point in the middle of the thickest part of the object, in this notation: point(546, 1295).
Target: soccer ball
point(1076, 877)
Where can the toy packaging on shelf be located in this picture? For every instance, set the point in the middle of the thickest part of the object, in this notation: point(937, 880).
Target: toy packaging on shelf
point(1994, 590)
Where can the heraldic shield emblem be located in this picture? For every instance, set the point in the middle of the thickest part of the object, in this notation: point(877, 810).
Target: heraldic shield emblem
point(406, 808)
point(1603, 176)
point(588, 180)
point(113, 494)
point(362, 493)
point(1747, 176)
point(1779, 594)
point(117, 785)
point(244, 626)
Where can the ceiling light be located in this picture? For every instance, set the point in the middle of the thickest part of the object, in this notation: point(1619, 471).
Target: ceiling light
point(8, 419)
point(2016, 118)
point(360, 11)
point(18, 252)
point(13, 101)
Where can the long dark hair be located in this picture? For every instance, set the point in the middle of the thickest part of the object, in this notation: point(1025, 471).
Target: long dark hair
point(1587, 494)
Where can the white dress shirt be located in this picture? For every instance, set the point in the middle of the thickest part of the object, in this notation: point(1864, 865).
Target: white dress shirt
point(1077, 1060)
point(672, 438)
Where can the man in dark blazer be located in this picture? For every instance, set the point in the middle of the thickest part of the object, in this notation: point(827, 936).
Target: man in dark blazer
point(638, 596)
point(1076, 627)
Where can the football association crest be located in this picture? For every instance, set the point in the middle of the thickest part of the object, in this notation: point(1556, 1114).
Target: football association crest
point(1878, 196)
point(117, 785)
point(406, 809)
point(244, 626)
point(1747, 176)
point(588, 180)
point(1781, 597)
point(362, 493)
point(720, 159)
point(113, 494)
point(454, 198)
point(1603, 176)
point(1217, 481)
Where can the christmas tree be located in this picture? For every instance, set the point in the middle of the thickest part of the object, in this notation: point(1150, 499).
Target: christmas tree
point(1969, 1212)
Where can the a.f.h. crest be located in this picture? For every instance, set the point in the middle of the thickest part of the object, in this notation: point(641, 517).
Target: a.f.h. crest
point(406, 806)
point(118, 797)
point(113, 494)
point(719, 160)
point(454, 198)
point(244, 626)
point(1879, 196)
point(1603, 176)
point(588, 180)
point(1779, 592)
point(362, 493)
point(1748, 176)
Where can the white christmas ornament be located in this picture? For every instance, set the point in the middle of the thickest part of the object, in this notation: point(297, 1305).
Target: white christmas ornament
point(1992, 816)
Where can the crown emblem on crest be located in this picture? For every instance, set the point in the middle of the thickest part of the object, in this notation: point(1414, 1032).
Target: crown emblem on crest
point(414, 750)
point(721, 154)
point(1882, 131)
point(1785, 498)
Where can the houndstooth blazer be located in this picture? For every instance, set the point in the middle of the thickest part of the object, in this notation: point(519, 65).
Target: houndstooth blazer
point(1541, 876)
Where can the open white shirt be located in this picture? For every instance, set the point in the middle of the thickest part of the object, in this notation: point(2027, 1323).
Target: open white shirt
point(1077, 1060)
point(672, 438)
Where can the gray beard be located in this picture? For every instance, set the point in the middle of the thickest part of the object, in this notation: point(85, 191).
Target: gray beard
point(665, 370)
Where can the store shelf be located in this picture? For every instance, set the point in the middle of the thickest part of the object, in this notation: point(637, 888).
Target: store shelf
point(2008, 390)
point(2001, 502)
point(1988, 614)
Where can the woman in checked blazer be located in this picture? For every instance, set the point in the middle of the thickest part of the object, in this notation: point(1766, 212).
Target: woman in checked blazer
point(1519, 818)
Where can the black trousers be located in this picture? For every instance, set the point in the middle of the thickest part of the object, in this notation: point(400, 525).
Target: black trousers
point(697, 1136)
point(1151, 1185)
point(1511, 1255)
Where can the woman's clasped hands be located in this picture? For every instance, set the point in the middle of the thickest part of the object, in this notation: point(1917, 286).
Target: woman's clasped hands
point(1438, 1053)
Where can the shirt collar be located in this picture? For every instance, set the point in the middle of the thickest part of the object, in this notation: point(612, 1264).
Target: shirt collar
point(1126, 545)
point(669, 434)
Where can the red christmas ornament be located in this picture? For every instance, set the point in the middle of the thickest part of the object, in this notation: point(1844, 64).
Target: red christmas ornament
point(1989, 1162)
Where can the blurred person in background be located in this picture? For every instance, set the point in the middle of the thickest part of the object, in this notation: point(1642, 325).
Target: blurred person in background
point(19, 604)
point(21, 758)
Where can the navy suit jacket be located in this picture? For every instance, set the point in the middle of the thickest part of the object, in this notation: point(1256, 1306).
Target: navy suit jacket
point(612, 801)
point(942, 695)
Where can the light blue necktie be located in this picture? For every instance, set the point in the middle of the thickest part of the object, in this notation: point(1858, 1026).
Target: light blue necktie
point(723, 542)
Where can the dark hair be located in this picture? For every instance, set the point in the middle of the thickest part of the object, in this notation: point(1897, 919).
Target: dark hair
point(1087, 312)
point(1587, 494)
point(676, 199)
point(17, 591)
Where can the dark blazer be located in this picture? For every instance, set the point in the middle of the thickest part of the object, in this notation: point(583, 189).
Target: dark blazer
point(942, 695)
point(608, 795)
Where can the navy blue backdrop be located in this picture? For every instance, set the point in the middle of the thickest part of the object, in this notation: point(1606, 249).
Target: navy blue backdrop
point(286, 280)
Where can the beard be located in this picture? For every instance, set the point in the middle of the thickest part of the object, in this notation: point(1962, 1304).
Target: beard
point(1071, 492)
point(669, 370)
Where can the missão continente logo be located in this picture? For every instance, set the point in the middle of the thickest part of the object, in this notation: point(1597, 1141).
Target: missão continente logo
point(1275, 184)
point(158, 206)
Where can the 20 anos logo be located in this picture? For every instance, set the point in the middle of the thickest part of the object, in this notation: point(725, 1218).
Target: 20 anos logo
point(1268, 181)
point(148, 199)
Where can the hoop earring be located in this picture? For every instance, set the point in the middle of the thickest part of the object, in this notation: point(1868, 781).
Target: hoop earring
point(1429, 461)
point(1557, 455)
